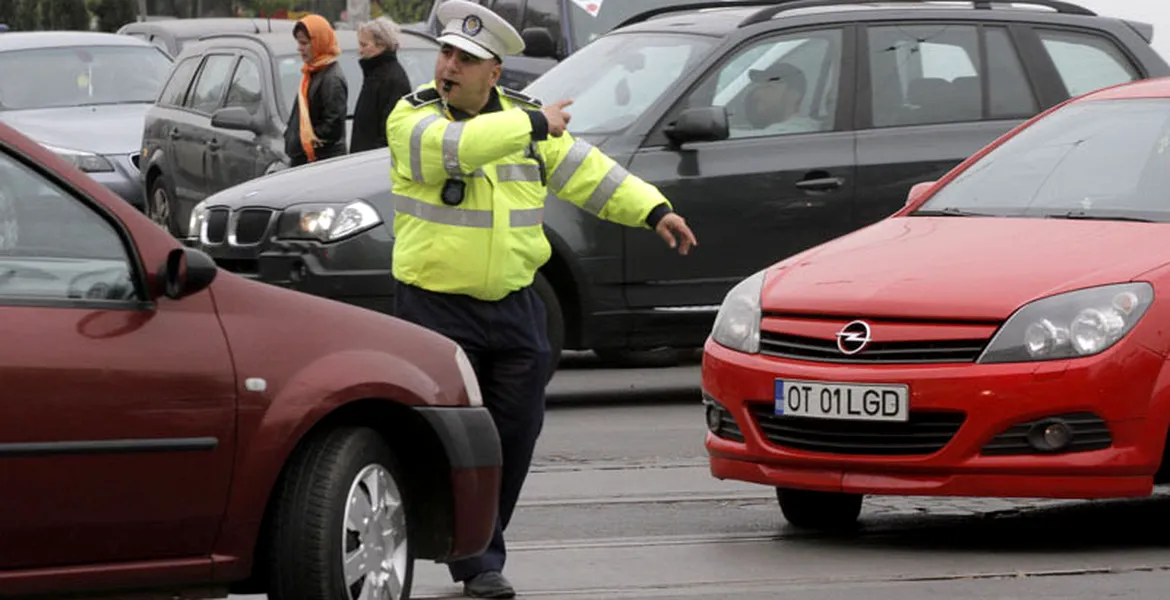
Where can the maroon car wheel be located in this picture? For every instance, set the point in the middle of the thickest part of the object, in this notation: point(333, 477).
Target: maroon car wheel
point(340, 528)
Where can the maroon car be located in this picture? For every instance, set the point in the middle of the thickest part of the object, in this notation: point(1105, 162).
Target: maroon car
point(169, 428)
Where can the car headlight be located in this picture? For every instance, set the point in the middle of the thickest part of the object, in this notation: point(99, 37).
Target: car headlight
point(474, 396)
point(86, 161)
point(328, 222)
point(1070, 325)
point(198, 219)
point(737, 326)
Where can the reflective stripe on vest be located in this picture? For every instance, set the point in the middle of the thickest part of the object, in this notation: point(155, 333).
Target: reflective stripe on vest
point(416, 136)
point(573, 160)
point(464, 217)
point(451, 137)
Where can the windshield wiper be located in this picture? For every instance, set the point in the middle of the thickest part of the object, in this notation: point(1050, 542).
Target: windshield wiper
point(949, 211)
point(1082, 215)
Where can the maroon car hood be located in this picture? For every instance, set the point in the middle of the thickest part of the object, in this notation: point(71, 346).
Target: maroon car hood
point(961, 267)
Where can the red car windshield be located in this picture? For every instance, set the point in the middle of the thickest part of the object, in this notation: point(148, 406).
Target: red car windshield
point(1107, 159)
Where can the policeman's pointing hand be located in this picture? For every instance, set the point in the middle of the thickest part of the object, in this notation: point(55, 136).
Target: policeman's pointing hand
point(672, 227)
point(557, 117)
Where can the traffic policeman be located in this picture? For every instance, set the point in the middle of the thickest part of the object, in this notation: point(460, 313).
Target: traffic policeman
point(472, 165)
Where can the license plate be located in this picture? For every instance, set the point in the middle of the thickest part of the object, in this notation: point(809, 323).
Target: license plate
point(843, 401)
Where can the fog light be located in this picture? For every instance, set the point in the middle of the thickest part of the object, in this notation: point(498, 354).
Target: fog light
point(714, 418)
point(1050, 436)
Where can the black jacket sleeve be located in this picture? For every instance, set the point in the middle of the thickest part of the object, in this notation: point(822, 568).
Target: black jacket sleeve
point(333, 98)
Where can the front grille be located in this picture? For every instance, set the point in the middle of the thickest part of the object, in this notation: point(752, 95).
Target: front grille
point(1089, 432)
point(784, 345)
point(925, 432)
point(250, 225)
point(217, 224)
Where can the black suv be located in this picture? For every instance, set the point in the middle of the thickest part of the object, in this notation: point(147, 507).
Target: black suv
point(220, 119)
point(772, 126)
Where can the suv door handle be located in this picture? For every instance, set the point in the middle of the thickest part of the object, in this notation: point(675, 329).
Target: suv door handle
point(174, 133)
point(213, 144)
point(822, 184)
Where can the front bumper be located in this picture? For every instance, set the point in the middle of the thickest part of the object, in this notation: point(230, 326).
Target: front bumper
point(472, 445)
point(966, 408)
point(355, 270)
point(124, 181)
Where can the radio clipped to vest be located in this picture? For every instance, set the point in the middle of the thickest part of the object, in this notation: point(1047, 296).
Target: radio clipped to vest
point(453, 191)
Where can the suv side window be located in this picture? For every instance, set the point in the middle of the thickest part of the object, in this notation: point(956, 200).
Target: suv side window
point(778, 85)
point(1086, 62)
point(175, 91)
point(213, 78)
point(55, 248)
point(245, 89)
point(932, 73)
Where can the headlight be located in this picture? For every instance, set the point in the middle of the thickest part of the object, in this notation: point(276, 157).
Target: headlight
point(1070, 325)
point(198, 219)
point(328, 222)
point(474, 396)
point(737, 326)
point(86, 161)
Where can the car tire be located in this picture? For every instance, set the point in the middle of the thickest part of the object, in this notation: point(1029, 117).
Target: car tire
point(158, 199)
point(554, 321)
point(314, 529)
point(821, 511)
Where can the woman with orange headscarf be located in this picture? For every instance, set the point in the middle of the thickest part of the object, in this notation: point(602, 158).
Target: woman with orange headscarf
point(316, 127)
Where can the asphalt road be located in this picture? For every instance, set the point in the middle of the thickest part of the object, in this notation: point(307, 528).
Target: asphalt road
point(620, 505)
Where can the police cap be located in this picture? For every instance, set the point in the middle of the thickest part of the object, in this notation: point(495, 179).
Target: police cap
point(477, 30)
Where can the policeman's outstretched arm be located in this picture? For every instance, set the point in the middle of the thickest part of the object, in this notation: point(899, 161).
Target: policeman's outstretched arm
point(583, 175)
point(429, 148)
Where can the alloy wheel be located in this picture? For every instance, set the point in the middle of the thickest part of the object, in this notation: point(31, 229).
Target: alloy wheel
point(374, 553)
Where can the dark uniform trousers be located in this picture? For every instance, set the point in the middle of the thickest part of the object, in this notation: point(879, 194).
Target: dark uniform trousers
point(507, 344)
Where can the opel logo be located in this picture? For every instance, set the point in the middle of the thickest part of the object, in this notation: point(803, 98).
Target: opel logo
point(853, 338)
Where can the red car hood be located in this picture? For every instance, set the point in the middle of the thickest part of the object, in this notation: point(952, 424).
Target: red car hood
point(969, 268)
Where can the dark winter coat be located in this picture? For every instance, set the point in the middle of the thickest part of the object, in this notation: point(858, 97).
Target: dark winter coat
point(384, 84)
point(328, 109)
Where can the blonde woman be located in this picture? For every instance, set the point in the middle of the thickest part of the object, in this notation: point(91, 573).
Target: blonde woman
point(385, 82)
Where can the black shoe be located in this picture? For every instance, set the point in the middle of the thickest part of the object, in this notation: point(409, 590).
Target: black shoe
point(489, 584)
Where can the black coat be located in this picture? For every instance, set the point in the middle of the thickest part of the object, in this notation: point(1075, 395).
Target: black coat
point(384, 84)
point(328, 109)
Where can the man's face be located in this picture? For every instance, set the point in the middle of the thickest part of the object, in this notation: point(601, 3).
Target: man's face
point(782, 102)
point(464, 80)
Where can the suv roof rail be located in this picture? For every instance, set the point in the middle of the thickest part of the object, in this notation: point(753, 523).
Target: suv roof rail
point(686, 6)
point(779, 6)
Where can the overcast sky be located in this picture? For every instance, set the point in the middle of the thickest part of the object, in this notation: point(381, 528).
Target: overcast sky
point(1156, 12)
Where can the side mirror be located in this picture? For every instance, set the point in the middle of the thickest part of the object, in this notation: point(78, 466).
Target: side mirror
point(700, 124)
point(538, 43)
point(235, 117)
point(919, 189)
point(186, 271)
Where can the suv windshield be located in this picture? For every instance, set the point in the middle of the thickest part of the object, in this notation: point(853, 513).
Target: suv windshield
point(615, 79)
point(1100, 159)
point(81, 76)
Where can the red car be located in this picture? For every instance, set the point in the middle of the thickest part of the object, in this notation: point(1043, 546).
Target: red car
point(1005, 334)
point(169, 428)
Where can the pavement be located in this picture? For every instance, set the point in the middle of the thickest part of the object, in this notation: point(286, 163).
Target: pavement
point(620, 504)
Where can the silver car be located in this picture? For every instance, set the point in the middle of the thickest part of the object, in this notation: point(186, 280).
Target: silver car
point(83, 95)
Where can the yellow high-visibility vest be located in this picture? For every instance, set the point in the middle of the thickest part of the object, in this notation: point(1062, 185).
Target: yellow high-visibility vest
point(493, 242)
